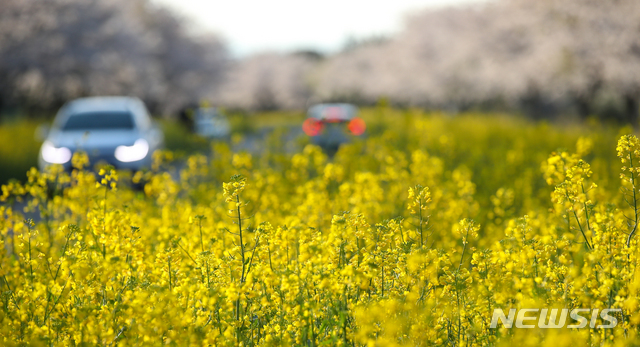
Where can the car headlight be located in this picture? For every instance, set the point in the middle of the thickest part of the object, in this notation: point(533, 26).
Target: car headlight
point(138, 151)
point(55, 155)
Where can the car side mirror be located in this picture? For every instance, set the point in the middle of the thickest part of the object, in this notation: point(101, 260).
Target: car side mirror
point(42, 131)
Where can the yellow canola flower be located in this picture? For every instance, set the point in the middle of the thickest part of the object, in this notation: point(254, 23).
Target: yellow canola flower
point(331, 249)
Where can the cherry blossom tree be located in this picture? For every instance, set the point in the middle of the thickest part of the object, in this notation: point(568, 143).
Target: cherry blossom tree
point(55, 50)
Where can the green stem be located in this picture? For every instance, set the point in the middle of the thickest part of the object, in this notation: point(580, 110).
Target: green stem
point(30, 262)
point(104, 222)
point(200, 227)
point(464, 248)
point(241, 255)
point(169, 261)
point(635, 201)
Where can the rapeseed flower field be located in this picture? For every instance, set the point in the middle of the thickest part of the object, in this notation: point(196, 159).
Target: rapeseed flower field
point(411, 237)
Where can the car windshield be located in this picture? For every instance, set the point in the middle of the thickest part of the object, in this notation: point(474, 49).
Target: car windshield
point(106, 120)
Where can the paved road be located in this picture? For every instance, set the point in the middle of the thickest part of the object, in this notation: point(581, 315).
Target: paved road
point(257, 142)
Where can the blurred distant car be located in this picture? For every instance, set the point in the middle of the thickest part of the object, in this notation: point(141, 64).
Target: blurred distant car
point(330, 125)
point(208, 122)
point(111, 130)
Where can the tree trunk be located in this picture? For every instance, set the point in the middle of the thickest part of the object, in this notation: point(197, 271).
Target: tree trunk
point(631, 108)
point(584, 108)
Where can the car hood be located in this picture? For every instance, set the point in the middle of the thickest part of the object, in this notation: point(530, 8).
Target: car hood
point(93, 139)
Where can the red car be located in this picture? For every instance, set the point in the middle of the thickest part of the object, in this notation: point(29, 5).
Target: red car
point(330, 125)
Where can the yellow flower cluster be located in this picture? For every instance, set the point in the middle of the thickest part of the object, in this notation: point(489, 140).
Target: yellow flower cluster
point(348, 250)
point(233, 189)
point(109, 177)
point(419, 198)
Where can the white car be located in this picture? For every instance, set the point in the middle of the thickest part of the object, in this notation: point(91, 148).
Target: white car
point(112, 130)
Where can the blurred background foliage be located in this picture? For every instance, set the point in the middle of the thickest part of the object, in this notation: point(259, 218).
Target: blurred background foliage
point(546, 59)
point(18, 149)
